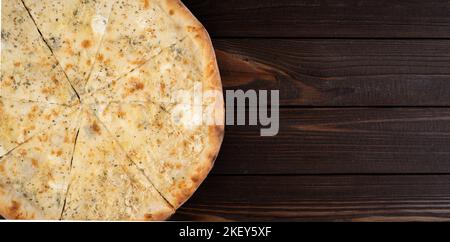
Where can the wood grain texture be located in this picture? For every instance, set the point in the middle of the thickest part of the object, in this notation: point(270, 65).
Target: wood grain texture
point(342, 140)
point(320, 198)
point(340, 72)
point(324, 18)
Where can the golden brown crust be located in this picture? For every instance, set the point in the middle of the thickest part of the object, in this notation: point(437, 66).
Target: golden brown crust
point(211, 82)
point(207, 159)
point(161, 216)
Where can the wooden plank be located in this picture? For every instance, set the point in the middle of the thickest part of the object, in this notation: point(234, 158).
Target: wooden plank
point(324, 18)
point(320, 198)
point(342, 140)
point(340, 72)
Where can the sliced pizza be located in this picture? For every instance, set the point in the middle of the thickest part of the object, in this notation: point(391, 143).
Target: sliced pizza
point(28, 69)
point(73, 30)
point(137, 31)
point(21, 120)
point(169, 77)
point(105, 184)
point(174, 148)
point(34, 176)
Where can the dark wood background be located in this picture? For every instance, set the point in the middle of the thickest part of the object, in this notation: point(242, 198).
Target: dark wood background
point(365, 116)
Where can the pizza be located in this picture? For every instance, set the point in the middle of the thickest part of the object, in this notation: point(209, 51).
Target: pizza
point(109, 109)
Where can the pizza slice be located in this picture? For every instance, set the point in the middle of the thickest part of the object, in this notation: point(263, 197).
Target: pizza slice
point(34, 176)
point(28, 69)
point(170, 77)
point(131, 125)
point(173, 149)
point(105, 184)
point(22, 120)
point(73, 29)
point(137, 31)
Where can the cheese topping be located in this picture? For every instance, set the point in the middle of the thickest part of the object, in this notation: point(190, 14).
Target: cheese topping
point(98, 24)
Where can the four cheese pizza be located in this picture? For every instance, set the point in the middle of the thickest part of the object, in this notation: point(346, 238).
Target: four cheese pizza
point(109, 109)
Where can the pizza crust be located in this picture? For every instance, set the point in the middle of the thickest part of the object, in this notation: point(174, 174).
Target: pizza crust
point(207, 158)
point(200, 36)
point(212, 82)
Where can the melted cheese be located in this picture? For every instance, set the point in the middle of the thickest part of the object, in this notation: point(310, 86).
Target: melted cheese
point(39, 171)
point(98, 24)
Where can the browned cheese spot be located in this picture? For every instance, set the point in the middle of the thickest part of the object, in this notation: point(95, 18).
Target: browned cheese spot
point(195, 179)
point(146, 4)
point(69, 66)
point(66, 139)
point(86, 44)
point(121, 114)
point(138, 85)
point(182, 185)
point(32, 114)
point(23, 152)
point(100, 57)
point(54, 79)
point(137, 62)
point(190, 28)
point(43, 138)
point(96, 128)
point(47, 91)
point(14, 209)
point(162, 86)
point(34, 163)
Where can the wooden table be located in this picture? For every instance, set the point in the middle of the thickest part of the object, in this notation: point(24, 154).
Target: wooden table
point(365, 117)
